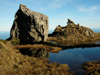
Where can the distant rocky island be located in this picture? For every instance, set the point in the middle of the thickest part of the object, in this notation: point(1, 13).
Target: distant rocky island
point(30, 33)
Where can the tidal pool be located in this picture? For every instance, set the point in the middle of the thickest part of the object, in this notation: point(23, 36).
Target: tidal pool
point(76, 57)
point(73, 57)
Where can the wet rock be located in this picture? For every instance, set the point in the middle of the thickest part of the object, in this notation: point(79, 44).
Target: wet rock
point(29, 26)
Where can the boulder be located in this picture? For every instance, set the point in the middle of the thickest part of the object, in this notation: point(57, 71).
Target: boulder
point(29, 26)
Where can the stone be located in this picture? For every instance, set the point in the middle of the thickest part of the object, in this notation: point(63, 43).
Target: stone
point(71, 30)
point(58, 27)
point(29, 26)
point(70, 22)
point(89, 32)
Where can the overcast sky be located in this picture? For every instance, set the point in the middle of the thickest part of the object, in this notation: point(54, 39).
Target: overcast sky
point(84, 12)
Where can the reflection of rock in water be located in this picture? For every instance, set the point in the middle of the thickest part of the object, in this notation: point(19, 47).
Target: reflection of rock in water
point(35, 52)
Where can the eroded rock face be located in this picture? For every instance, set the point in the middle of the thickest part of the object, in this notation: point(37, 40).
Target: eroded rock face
point(29, 26)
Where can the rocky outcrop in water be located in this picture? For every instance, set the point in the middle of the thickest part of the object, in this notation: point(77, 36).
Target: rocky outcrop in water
point(29, 26)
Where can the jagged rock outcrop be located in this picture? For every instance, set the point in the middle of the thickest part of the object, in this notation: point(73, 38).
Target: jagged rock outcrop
point(70, 22)
point(73, 32)
point(29, 26)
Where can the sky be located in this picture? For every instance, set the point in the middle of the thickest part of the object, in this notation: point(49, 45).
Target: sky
point(84, 12)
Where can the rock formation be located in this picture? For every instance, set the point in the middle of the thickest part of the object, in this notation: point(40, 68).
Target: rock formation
point(70, 22)
point(73, 32)
point(71, 27)
point(29, 26)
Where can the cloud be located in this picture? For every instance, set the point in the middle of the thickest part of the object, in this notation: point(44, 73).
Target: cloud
point(42, 9)
point(58, 3)
point(8, 3)
point(89, 10)
point(53, 4)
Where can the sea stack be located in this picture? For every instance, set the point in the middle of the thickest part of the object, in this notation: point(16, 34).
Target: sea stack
point(29, 26)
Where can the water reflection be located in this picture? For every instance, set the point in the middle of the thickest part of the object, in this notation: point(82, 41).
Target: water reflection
point(98, 42)
point(76, 57)
point(35, 52)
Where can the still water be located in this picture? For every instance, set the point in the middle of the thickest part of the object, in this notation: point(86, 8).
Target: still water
point(76, 57)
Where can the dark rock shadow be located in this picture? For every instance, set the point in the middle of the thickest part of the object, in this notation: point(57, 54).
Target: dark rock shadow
point(35, 52)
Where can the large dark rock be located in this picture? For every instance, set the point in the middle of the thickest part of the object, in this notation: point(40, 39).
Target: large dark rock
point(29, 26)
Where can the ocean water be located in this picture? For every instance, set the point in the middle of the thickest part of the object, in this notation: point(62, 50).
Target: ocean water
point(96, 30)
point(4, 35)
